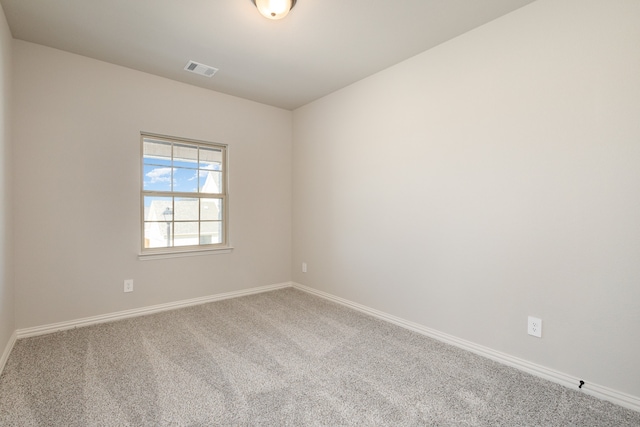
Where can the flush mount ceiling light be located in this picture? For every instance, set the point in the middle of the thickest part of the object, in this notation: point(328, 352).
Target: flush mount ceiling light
point(274, 9)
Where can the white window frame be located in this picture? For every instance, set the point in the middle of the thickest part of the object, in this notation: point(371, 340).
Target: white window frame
point(198, 249)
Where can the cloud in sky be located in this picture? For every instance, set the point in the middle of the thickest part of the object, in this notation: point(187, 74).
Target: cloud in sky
point(159, 175)
point(211, 167)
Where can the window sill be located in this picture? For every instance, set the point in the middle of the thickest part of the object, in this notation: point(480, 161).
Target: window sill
point(185, 253)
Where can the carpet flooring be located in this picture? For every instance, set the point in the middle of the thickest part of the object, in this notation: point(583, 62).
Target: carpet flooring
point(281, 358)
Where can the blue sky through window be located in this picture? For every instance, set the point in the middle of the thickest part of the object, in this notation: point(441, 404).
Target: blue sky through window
point(179, 167)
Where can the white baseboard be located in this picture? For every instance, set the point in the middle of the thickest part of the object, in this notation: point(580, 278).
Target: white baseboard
point(7, 351)
point(601, 392)
point(111, 317)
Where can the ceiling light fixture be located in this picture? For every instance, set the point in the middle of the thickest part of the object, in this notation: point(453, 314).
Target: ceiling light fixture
point(274, 9)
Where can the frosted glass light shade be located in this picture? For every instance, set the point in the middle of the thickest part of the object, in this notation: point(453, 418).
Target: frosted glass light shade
point(274, 9)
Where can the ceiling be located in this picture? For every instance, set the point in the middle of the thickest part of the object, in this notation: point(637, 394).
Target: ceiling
point(321, 46)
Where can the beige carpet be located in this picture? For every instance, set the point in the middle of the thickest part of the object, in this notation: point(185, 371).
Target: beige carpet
point(282, 358)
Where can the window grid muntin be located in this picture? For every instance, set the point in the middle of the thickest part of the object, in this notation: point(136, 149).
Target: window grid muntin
point(200, 165)
point(198, 220)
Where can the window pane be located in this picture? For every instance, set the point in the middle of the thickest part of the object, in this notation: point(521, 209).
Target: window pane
point(210, 158)
point(157, 178)
point(186, 234)
point(186, 209)
point(185, 180)
point(210, 182)
point(183, 189)
point(158, 208)
point(157, 234)
point(185, 155)
point(210, 232)
point(157, 152)
point(211, 209)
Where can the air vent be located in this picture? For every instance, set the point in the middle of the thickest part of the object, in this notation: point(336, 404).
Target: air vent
point(203, 70)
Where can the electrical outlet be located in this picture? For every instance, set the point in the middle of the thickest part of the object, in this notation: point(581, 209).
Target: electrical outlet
point(304, 267)
point(128, 285)
point(535, 327)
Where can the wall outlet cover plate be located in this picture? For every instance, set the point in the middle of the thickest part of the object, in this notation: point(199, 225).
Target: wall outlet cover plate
point(534, 327)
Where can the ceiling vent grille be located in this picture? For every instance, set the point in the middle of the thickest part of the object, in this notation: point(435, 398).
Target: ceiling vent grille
point(203, 70)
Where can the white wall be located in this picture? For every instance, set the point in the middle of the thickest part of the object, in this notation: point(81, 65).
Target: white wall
point(490, 178)
point(6, 253)
point(77, 196)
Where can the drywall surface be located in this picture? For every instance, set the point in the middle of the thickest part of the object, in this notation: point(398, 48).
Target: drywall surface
point(493, 177)
point(77, 182)
point(6, 252)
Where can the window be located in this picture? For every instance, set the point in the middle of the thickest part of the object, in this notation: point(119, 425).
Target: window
point(184, 195)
